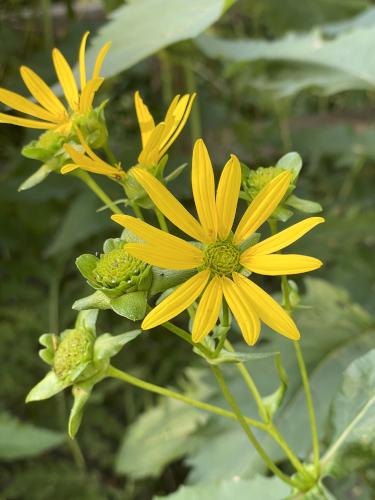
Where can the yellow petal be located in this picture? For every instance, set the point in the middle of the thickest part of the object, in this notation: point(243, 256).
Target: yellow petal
point(99, 60)
point(82, 64)
point(42, 93)
point(149, 155)
point(263, 205)
point(269, 311)
point(203, 184)
point(246, 317)
point(227, 196)
point(145, 119)
point(276, 264)
point(88, 164)
point(89, 151)
point(22, 104)
point(177, 301)
point(283, 238)
point(66, 79)
point(172, 107)
point(25, 122)
point(88, 94)
point(180, 115)
point(164, 257)
point(169, 205)
point(208, 310)
point(161, 240)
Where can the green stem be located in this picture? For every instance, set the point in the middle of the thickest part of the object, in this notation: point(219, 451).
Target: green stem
point(111, 157)
point(47, 23)
point(242, 421)
point(310, 406)
point(195, 115)
point(166, 76)
point(147, 386)
point(137, 210)
point(89, 181)
point(187, 337)
point(161, 220)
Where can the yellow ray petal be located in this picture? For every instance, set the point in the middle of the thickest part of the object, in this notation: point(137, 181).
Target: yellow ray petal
point(177, 301)
point(180, 115)
point(164, 257)
point(22, 104)
point(66, 79)
point(42, 93)
point(88, 164)
point(262, 206)
point(227, 196)
point(88, 93)
point(246, 317)
point(276, 264)
point(99, 60)
point(160, 239)
point(169, 205)
point(90, 152)
point(172, 107)
point(269, 311)
point(145, 119)
point(82, 63)
point(203, 184)
point(208, 310)
point(283, 238)
point(149, 155)
point(25, 122)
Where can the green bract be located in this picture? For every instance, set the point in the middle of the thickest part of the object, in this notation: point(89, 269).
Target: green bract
point(121, 281)
point(79, 359)
point(49, 147)
point(253, 181)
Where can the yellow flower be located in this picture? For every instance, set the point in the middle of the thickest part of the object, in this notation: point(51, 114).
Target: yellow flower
point(90, 161)
point(157, 139)
point(50, 111)
point(221, 257)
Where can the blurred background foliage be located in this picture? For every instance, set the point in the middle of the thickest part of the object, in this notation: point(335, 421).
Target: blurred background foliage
point(271, 77)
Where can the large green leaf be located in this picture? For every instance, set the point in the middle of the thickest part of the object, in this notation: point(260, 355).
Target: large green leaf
point(257, 488)
point(352, 437)
point(21, 440)
point(142, 28)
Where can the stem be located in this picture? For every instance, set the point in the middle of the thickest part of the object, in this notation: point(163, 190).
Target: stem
point(195, 115)
point(242, 421)
point(161, 220)
point(310, 407)
point(166, 76)
point(111, 157)
point(137, 210)
point(187, 337)
point(45, 6)
point(147, 386)
point(89, 181)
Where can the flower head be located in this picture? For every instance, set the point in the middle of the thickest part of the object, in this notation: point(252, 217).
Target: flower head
point(88, 160)
point(50, 112)
point(222, 256)
point(157, 139)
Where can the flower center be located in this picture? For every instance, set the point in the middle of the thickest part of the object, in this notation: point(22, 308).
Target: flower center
point(259, 178)
point(222, 258)
point(115, 267)
point(75, 349)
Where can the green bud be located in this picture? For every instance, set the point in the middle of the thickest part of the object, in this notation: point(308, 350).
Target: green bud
point(93, 126)
point(116, 267)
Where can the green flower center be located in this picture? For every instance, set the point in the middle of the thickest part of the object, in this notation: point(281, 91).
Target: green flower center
point(75, 349)
point(222, 258)
point(115, 267)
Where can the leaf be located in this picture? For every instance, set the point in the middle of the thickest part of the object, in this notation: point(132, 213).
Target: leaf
point(157, 438)
point(352, 435)
point(86, 264)
point(306, 206)
point(131, 305)
point(163, 279)
point(235, 357)
point(46, 388)
point(258, 488)
point(21, 440)
point(97, 300)
point(36, 178)
point(81, 393)
point(135, 33)
point(87, 320)
point(107, 345)
point(291, 161)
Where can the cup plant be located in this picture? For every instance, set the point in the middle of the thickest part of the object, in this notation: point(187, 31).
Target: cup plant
point(208, 272)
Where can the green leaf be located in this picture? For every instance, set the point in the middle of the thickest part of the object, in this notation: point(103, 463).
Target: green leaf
point(135, 35)
point(97, 300)
point(157, 438)
point(81, 393)
point(36, 178)
point(274, 401)
point(87, 320)
point(163, 279)
point(86, 264)
point(21, 440)
point(306, 206)
point(176, 173)
point(130, 305)
point(260, 487)
point(235, 357)
point(352, 433)
point(291, 161)
point(46, 388)
point(107, 345)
